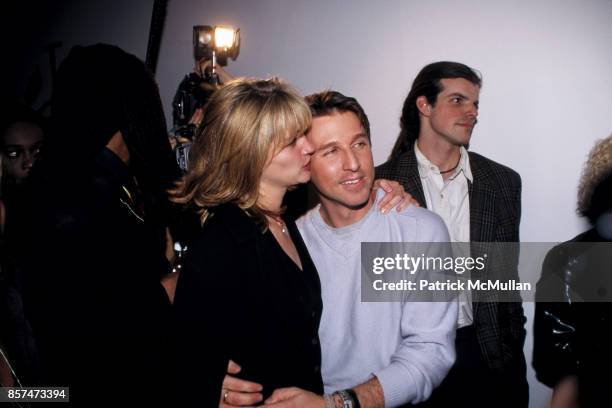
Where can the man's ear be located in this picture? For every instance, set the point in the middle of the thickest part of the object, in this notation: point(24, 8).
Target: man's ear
point(423, 106)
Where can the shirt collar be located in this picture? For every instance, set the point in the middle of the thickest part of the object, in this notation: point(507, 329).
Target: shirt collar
point(427, 168)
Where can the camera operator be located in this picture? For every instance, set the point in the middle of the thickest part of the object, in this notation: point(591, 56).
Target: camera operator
point(192, 94)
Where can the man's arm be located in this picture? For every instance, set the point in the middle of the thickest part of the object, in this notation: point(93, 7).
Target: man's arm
point(426, 350)
point(369, 395)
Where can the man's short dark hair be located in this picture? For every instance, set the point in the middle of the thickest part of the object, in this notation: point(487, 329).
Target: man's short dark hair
point(328, 102)
point(427, 84)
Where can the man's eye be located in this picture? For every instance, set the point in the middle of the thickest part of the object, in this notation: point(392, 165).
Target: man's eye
point(360, 145)
point(456, 100)
point(330, 152)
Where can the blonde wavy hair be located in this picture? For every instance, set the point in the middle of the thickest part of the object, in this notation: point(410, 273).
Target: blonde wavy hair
point(597, 166)
point(245, 123)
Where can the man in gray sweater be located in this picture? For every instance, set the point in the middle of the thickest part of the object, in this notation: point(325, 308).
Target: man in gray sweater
point(374, 354)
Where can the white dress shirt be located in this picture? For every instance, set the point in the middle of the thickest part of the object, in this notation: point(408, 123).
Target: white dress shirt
point(450, 200)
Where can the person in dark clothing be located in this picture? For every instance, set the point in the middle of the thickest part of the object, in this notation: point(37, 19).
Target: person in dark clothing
point(21, 143)
point(249, 291)
point(572, 328)
point(95, 247)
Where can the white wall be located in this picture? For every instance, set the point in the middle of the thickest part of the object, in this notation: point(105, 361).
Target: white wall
point(547, 70)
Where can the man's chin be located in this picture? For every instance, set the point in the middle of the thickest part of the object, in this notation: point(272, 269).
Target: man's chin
point(459, 140)
point(358, 203)
point(358, 206)
point(352, 202)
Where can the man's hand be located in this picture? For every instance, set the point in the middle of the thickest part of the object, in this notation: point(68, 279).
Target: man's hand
point(236, 392)
point(204, 64)
point(294, 397)
point(395, 197)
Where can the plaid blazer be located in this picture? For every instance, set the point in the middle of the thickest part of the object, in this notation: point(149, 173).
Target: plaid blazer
point(495, 212)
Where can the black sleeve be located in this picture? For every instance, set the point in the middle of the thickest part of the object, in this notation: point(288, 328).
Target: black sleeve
point(205, 306)
point(554, 325)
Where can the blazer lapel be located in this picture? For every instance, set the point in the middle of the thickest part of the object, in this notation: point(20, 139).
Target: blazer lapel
point(482, 204)
point(413, 179)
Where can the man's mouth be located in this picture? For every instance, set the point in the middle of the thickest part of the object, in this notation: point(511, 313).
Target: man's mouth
point(352, 182)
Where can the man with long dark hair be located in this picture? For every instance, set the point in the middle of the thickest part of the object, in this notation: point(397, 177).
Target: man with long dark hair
point(480, 201)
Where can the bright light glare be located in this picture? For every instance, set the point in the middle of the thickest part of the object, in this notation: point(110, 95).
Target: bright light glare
point(224, 37)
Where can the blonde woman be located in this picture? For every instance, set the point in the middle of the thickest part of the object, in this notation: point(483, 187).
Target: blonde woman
point(249, 290)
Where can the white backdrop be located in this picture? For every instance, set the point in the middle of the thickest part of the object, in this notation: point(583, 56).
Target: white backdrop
point(547, 68)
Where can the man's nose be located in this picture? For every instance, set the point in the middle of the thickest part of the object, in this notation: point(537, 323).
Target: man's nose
point(351, 162)
point(472, 111)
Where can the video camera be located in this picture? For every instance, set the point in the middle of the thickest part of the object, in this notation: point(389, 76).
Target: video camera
point(209, 43)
